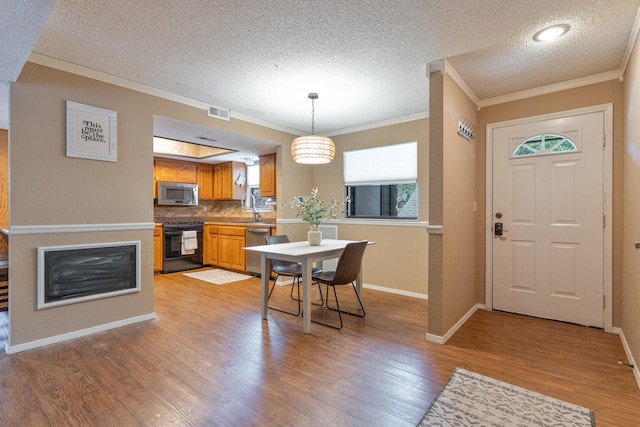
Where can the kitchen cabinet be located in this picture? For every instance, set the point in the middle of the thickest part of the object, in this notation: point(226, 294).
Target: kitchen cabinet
point(231, 240)
point(225, 179)
point(175, 171)
point(210, 245)
point(167, 170)
point(157, 248)
point(267, 175)
point(205, 181)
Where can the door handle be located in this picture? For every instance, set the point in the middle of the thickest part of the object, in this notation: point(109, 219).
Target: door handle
point(498, 229)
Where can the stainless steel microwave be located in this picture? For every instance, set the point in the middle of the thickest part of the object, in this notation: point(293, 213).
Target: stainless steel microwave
point(177, 194)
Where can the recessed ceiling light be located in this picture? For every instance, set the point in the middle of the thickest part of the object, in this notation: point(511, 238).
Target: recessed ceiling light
point(550, 33)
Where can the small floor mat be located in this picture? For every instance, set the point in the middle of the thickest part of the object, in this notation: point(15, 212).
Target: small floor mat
point(218, 276)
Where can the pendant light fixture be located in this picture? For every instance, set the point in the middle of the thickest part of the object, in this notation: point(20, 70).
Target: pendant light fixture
point(313, 149)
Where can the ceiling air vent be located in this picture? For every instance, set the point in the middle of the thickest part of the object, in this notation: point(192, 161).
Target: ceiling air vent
point(219, 113)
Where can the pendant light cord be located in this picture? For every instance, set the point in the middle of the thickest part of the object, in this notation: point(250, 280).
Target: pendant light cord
point(313, 113)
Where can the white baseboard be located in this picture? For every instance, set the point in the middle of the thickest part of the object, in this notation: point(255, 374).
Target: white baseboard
point(443, 339)
point(627, 351)
point(77, 334)
point(396, 291)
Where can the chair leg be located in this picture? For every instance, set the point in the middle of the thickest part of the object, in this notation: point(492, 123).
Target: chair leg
point(300, 299)
point(343, 311)
point(295, 282)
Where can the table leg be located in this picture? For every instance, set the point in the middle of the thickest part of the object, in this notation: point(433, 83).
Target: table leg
point(265, 273)
point(306, 295)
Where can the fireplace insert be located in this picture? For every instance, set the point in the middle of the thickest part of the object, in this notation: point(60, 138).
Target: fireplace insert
point(182, 246)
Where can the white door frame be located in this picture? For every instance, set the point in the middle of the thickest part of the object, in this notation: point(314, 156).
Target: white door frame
point(607, 109)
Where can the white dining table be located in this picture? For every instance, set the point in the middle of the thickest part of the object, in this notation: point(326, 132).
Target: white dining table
point(306, 255)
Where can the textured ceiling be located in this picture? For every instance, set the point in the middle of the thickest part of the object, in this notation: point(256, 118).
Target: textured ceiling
point(367, 59)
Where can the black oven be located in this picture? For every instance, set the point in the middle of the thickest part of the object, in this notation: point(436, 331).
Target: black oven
point(177, 256)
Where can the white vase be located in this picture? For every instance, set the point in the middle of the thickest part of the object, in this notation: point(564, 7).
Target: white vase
point(314, 236)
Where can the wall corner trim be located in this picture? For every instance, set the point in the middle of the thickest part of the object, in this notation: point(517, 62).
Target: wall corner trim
point(443, 339)
point(627, 351)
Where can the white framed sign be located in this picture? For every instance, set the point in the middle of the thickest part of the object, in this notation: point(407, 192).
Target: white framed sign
point(91, 132)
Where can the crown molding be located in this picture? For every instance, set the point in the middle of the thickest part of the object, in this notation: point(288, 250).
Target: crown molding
point(448, 69)
point(552, 88)
point(631, 44)
point(382, 123)
point(443, 66)
point(68, 67)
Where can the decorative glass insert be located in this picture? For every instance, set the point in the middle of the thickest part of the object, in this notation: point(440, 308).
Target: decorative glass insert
point(544, 144)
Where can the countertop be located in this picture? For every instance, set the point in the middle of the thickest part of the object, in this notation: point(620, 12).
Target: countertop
point(233, 223)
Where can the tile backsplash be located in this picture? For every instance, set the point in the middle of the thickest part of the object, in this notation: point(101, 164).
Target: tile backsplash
point(209, 210)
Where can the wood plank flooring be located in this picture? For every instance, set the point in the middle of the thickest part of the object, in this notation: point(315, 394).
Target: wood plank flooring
point(209, 360)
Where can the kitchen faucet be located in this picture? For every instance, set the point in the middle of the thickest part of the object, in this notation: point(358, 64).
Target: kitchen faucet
point(252, 198)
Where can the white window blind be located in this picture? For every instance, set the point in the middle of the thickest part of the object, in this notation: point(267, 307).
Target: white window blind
point(253, 176)
point(389, 164)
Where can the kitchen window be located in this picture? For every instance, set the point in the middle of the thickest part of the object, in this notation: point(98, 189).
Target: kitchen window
point(263, 204)
point(381, 182)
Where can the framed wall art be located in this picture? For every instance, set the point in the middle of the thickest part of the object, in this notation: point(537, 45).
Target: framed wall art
point(91, 132)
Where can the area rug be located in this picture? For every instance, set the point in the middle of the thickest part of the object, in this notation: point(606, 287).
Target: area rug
point(218, 277)
point(470, 399)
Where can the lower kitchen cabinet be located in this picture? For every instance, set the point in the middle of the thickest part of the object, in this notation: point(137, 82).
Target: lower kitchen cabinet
point(231, 240)
point(210, 243)
point(157, 248)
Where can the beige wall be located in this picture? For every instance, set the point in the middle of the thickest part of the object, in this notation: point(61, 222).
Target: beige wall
point(48, 188)
point(453, 193)
point(630, 151)
point(597, 94)
point(391, 262)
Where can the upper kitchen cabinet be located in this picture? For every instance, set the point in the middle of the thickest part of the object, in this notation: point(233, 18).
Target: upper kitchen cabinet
point(175, 171)
point(229, 181)
point(268, 175)
point(165, 170)
point(205, 181)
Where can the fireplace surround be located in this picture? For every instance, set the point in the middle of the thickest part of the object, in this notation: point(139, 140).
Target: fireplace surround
point(76, 273)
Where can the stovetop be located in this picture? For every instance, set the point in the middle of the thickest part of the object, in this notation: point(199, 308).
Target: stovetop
point(181, 226)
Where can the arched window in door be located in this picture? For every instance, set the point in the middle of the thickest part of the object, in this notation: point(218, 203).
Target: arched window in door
point(544, 144)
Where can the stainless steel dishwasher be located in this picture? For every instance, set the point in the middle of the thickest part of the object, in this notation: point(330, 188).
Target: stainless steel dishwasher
point(255, 237)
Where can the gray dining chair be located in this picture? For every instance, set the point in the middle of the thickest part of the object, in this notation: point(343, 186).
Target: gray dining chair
point(288, 269)
point(346, 272)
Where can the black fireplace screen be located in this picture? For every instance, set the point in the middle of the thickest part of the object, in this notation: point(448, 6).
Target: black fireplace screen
point(86, 272)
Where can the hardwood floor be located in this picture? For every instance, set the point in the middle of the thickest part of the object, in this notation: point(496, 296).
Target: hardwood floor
point(209, 360)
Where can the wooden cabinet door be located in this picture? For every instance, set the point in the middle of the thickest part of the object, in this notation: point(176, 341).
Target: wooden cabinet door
point(210, 250)
point(205, 181)
point(157, 248)
point(226, 181)
point(268, 175)
point(231, 240)
point(224, 251)
point(164, 170)
point(218, 170)
point(186, 172)
point(224, 175)
point(230, 253)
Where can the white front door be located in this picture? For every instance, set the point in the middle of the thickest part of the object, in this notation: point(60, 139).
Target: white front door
point(548, 197)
